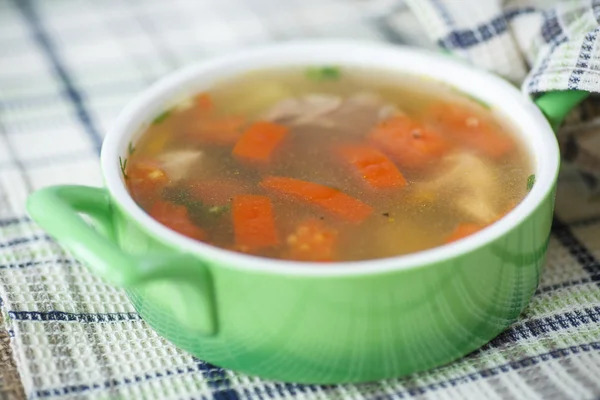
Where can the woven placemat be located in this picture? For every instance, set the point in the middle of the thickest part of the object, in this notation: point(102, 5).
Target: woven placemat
point(68, 67)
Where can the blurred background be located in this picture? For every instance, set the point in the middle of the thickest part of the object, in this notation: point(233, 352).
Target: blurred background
point(70, 65)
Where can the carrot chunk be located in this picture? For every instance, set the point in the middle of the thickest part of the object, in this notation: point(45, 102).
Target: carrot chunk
point(408, 143)
point(462, 231)
point(253, 222)
point(466, 128)
point(373, 167)
point(218, 131)
point(311, 241)
point(331, 200)
point(259, 141)
point(145, 179)
point(205, 102)
point(217, 192)
point(176, 217)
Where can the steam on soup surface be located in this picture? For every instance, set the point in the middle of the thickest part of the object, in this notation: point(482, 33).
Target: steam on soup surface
point(327, 165)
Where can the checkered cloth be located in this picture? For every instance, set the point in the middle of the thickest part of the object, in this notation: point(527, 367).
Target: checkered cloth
point(68, 67)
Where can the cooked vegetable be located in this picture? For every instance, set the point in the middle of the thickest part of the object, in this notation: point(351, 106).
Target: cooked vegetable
point(123, 166)
point(161, 117)
point(372, 166)
point(326, 73)
point(530, 182)
point(218, 131)
point(145, 179)
point(205, 102)
point(253, 222)
point(328, 199)
point(311, 241)
point(259, 141)
point(252, 97)
point(176, 218)
point(409, 143)
point(462, 231)
point(468, 129)
point(205, 215)
point(200, 212)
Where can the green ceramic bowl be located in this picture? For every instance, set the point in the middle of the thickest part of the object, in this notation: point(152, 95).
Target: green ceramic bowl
point(341, 322)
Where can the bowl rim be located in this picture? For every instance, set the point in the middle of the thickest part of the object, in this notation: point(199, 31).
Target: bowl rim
point(539, 139)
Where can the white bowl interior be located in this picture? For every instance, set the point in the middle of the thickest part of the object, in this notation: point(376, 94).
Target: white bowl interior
point(527, 120)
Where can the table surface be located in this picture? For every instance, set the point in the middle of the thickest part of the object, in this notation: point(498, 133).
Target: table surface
point(68, 67)
point(10, 385)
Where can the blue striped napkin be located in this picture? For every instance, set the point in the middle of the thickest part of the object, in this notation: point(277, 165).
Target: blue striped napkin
point(68, 67)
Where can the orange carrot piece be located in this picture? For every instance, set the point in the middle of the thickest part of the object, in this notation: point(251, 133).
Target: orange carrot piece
point(468, 129)
point(373, 167)
point(331, 200)
point(218, 192)
point(311, 241)
point(408, 143)
point(218, 131)
point(259, 141)
point(253, 222)
point(145, 179)
point(205, 102)
point(462, 231)
point(466, 229)
point(176, 218)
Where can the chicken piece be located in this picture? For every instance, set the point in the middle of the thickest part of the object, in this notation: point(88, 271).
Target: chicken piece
point(398, 235)
point(371, 102)
point(234, 99)
point(303, 110)
point(355, 114)
point(178, 163)
point(360, 112)
point(471, 186)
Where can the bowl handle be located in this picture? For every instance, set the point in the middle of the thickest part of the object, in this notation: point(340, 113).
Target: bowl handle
point(556, 105)
point(56, 209)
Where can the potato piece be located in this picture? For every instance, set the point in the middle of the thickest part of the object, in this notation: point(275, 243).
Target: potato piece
point(401, 236)
point(263, 94)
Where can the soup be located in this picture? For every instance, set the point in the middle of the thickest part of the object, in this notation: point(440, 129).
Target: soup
point(327, 164)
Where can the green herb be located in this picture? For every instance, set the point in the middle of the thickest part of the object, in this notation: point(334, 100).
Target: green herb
point(530, 182)
point(161, 117)
point(327, 73)
point(177, 194)
point(219, 210)
point(199, 212)
point(130, 148)
point(203, 214)
point(123, 164)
